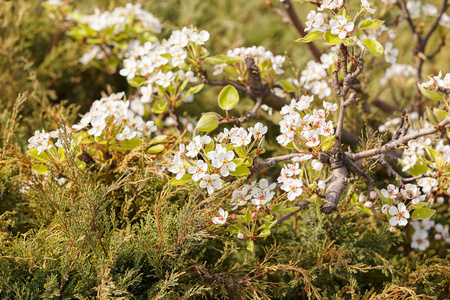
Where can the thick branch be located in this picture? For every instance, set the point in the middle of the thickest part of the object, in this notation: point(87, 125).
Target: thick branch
point(335, 190)
point(257, 89)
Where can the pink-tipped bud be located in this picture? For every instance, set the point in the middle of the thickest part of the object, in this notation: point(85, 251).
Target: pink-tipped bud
point(440, 200)
point(362, 198)
point(437, 236)
point(254, 215)
point(373, 195)
point(240, 235)
point(115, 121)
point(368, 204)
point(233, 217)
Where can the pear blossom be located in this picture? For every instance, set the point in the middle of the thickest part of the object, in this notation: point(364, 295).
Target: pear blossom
point(445, 20)
point(420, 240)
point(390, 54)
point(391, 191)
point(341, 26)
point(177, 167)
point(164, 79)
point(429, 10)
point(293, 187)
point(413, 9)
point(365, 5)
point(222, 218)
point(258, 131)
point(263, 192)
point(39, 141)
point(317, 165)
point(97, 127)
point(330, 4)
point(330, 106)
point(314, 20)
point(427, 184)
point(126, 134)
point(326, 128)
point(211, 183)
point(399, 215)
point(199, 170)
point(223, 161)
point(409, 162)
point(385, 208)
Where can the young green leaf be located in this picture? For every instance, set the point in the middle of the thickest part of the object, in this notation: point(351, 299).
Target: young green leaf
point(370, 24)
point(208, 122)
point(332, 39)
point(228, 98)
point(40, 169)
point(422, 213)
point(314, 35)
point(373, 46)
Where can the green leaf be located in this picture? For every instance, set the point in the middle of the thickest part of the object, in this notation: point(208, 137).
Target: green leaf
point(332, 39)
point(183, 180)
point(136, 81)
point(61, 154)
point(354, 199)
point(40, 169)
point(155, 149)
point(81, 164)
point(432, 117)
point(422, 213)
point(418, 169)
point(440, 114)
point(34, 154)
point(208, 122)
point(287, 210)
point(251, 246)
point(287, 86)
point(364, 209)
point(130, 144)
point(328, 142)
point(278, 206)
point(313, 35)
point(228, 98)
point(210, 146)
point(194, 90)
point(240, 171)
point(248, 217)
point(222, 59)
point(373, 46)
point(429, 93)
point(384, 200)
point(349, 42)
point(235, 228)
point(370, 24)
point(160, 106)
point(158, 139)
point(421, 204)
point(240, 151)
point(264, 233)
point(271, 224)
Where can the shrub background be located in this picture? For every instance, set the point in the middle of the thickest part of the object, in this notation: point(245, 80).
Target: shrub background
point(122, 234)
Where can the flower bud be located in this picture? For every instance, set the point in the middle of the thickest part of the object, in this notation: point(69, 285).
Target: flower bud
point(373, 195)
point(233, 217)
point(362, 198)
point(254, 215)
point(440, 200)
point(437, 236)
point(240, 235)
point(368, 204)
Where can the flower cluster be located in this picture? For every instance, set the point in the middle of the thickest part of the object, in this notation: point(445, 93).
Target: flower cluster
point(394, 200)
point(314, 75)
point(111, 117)
point(398, 72)
point(303, 126)
point(155, 62)
point(207, 161)
point(419, 239)
point(118, 19)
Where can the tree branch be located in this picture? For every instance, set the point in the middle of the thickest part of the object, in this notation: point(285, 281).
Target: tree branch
point(295, 21)
point(392, 145)
point(300, 206)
